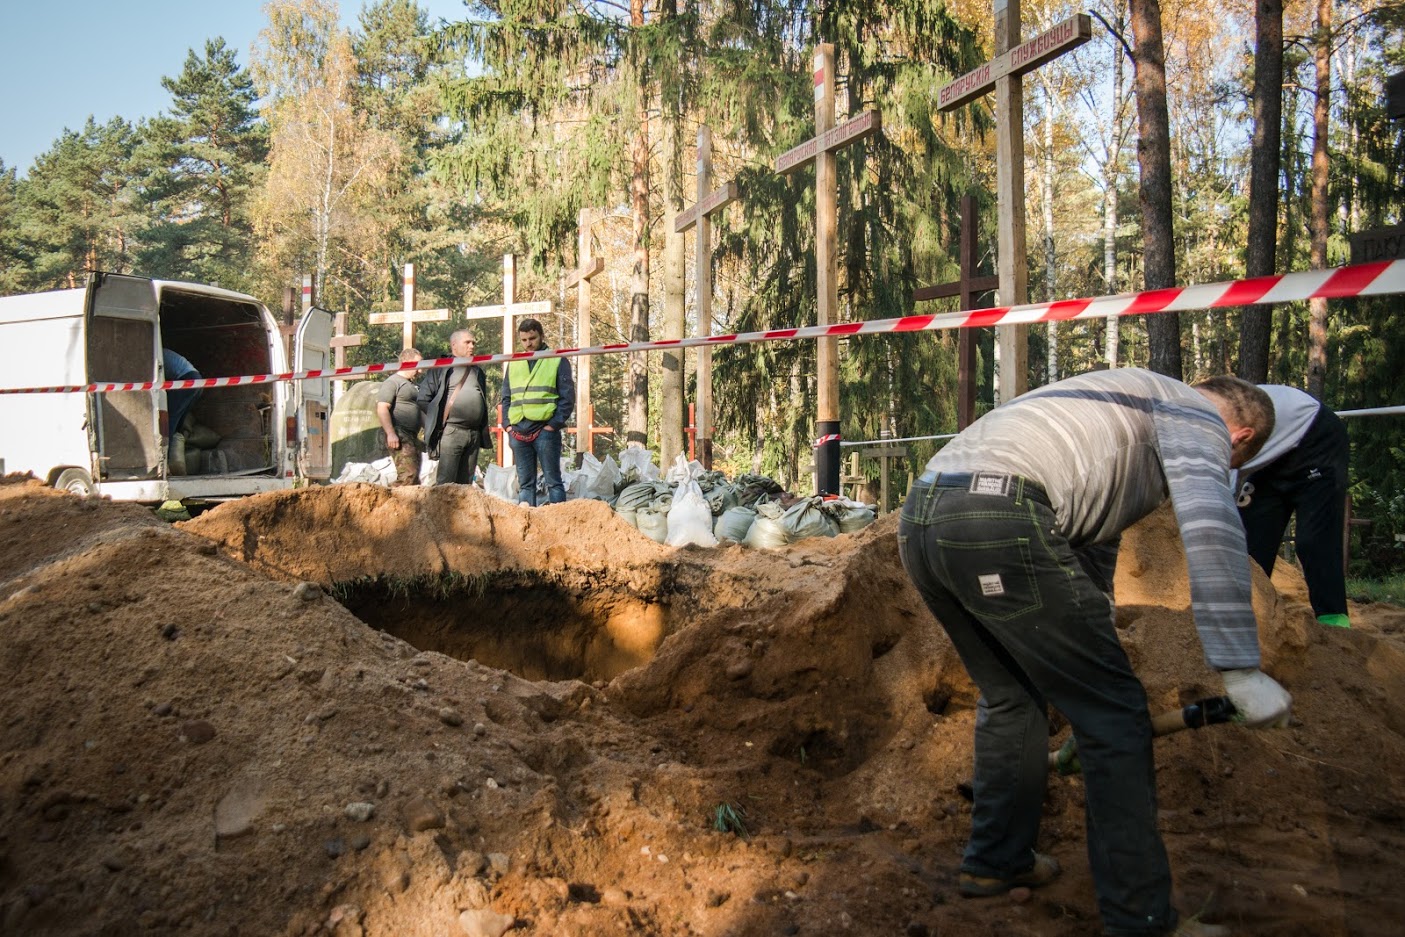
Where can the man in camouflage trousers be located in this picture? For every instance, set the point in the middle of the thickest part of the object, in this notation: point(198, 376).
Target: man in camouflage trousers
point(397, 407)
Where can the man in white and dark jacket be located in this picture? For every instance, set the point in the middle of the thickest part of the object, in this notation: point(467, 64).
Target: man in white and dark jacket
point(1302, 470)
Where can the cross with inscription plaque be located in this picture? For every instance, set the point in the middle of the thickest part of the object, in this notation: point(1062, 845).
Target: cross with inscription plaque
point(1002, 74)
point(820, 150)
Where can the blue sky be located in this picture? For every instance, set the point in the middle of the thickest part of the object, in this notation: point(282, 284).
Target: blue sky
point(61, 60)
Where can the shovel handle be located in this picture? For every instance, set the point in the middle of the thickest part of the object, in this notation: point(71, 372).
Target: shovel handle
point(1206, 712)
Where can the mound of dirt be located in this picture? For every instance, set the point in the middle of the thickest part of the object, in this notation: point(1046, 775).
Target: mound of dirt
point(353, 710)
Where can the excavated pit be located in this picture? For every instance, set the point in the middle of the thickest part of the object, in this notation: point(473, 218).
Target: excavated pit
point(529, 624)
point(198, 740)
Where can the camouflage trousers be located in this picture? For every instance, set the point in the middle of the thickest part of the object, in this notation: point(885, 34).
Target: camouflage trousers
point(406, 459)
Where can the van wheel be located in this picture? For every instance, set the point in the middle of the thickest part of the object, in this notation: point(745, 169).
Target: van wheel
point(76, 481)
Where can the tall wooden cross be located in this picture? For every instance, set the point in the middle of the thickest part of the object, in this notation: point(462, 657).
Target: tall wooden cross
point(820, 150)
point(968, 287)
point(1002, 73)
point(709, 203)
point(580, 279)
point(410, 318)
point(510, 307)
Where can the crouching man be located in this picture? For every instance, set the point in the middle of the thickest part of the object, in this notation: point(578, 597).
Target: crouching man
point(1010, 538)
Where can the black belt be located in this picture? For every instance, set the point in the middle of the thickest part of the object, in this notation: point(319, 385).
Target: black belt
point(1015, 486)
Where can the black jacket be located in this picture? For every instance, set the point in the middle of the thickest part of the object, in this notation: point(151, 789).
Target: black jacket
point(434, 394)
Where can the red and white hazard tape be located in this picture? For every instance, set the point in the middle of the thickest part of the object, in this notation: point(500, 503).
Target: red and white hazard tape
point(831, 437)
point(1373, 279)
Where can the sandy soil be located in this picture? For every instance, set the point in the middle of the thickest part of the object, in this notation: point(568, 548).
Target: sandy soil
point(267, 721)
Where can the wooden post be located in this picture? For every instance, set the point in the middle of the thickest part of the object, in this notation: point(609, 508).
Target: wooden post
point(410, 318)
point(288, 325)
point(968, 287)
point(1002, 73)
point(1011, 249)
point(884, 453)
point(709, 202)
point(819, 149)
point(580, 279)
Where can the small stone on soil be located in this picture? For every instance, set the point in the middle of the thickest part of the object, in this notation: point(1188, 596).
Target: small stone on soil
point(421, 815)
point(307, 591)
point(485, 923)
point(197, 732)
point(360, 811)
point(449, 717)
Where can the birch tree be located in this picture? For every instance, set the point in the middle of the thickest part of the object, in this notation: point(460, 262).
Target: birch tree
point(326, 162)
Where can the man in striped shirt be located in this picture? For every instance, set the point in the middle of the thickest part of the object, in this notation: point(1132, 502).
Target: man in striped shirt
point(1010, 536)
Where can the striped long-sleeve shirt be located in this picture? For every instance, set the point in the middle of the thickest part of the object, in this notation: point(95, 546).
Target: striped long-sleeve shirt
point(1108, 447)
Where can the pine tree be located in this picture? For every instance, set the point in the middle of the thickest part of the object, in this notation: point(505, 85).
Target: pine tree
point(209, 154)
point(81, 207)
point(14, 265)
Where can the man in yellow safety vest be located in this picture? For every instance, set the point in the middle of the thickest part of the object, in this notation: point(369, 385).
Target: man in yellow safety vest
point(540, 394)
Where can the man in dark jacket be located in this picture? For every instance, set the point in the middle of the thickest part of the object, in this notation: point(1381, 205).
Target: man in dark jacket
point(455, 405)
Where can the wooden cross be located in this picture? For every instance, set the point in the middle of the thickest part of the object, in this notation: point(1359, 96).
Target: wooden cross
point(1002, 73)
point(968, 287)
point(580, 279)
point(820, 149)
point(410, 317)
point(708, 203)
point(510, 307)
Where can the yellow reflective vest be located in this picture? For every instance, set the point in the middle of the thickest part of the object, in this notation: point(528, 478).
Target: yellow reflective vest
point(532, 390)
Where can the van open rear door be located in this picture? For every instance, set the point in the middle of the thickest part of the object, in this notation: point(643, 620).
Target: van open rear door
point(122, 341)
point(312, 399)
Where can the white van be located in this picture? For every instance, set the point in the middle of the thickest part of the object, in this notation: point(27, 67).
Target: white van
point(261, 437)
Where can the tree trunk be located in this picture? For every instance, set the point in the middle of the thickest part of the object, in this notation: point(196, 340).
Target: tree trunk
point(1317, 308)
point(1154, 161)
point(1259, 258)
point(1111, 187)
point(637, 403)
point(674, 309)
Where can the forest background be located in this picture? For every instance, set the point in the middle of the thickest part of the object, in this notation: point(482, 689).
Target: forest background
point(347, 153)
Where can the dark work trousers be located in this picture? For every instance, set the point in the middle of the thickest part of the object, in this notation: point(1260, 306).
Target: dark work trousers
point(458, 455)
point(1033, 628)
point(1310, 479)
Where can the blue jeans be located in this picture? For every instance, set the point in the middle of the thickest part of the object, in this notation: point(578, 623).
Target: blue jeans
point(544, 451)
point(1033, 628)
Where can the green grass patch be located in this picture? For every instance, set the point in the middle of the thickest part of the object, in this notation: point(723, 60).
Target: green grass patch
point(728, 817)
point(1390, 589)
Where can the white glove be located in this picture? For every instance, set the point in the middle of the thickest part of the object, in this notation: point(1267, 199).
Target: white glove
point(1261, 701)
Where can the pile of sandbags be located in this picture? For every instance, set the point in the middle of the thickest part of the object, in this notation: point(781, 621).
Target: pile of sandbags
point(690, 505)
point(193, 452)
